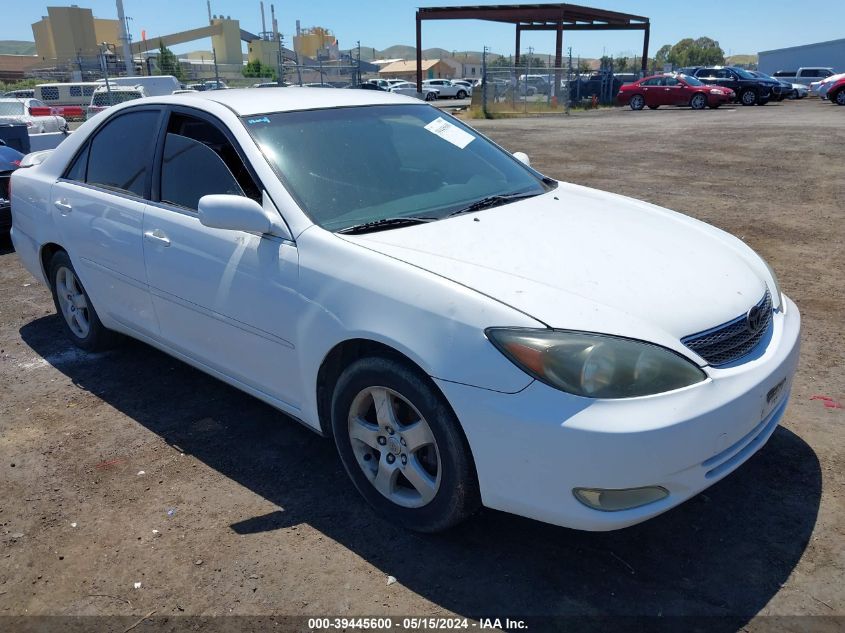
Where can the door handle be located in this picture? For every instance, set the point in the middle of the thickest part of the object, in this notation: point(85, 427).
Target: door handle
point(157, 236)
point(63, 205)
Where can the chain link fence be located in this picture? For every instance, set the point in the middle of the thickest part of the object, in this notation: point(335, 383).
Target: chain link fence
point(534, 91)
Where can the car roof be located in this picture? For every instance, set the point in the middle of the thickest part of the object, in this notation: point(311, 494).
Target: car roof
point(246, 102)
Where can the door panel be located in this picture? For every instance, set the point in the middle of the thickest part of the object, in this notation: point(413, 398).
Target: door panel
point(226, 298)
point(102, 232)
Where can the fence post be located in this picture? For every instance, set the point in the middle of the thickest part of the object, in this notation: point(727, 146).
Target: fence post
point(484, 83)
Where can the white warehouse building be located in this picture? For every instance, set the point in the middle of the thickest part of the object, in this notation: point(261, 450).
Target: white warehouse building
point(823, 55)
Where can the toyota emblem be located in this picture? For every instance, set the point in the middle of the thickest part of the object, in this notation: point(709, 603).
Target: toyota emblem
point(755, 319)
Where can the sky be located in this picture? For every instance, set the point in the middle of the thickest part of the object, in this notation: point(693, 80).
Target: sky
point(740, 26)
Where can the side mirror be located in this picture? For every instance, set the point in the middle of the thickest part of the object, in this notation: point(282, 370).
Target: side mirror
point(236, 213)
point(522, 157)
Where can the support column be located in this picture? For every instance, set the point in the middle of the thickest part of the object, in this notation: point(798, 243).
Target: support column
point(419, 53)
point(645, 48)
point(516, 48)
point(558, 57)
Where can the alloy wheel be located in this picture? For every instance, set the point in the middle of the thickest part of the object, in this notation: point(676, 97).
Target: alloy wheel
point(699, 102)
point(840, 98)
point(637, 102)
point(72, 301)
point(394, 447)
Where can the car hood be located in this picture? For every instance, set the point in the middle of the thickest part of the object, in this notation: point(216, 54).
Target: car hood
point(583, 259)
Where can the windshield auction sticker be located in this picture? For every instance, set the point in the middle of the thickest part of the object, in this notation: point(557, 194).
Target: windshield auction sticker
point(448, 132)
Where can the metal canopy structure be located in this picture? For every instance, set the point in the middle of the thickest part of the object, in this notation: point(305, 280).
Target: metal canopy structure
point(538, 17)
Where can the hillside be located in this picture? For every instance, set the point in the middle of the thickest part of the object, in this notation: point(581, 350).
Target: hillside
point(744, 60)
point(16, 47)
point(400, 51)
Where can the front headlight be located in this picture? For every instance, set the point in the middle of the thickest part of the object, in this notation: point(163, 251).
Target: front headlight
point(715, 91)
point(595, 365)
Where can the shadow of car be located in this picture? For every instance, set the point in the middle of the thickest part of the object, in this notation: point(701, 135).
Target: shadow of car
point(714, 561)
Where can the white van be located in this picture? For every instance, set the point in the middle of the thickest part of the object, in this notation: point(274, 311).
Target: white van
point(104, 97)
point(58, 94)
point(155, 86)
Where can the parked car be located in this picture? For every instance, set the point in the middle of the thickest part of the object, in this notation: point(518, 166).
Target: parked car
point(362, 285)
point(106, 97)
point(23, 93)
point(154, 86)
point(836, 92)
point(672, 90)
point(369, 86)
point(749, 90)
point(10, 160)
point(215, 84)
point(33, 113)
point(410, 90)
point(800, 91)
point(446, 89)
point(806, 75)
point(535, 84)
point(783, 89)
point(822, 87)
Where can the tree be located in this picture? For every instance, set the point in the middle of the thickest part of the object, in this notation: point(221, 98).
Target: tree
point(620, 64)
point(256, 69)
point(168, 63)
point(703, 51)
point(507, 62)
point(662, 55)
point(584, 66)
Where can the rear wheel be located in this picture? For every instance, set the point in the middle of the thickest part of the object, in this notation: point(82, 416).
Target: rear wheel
point(430, 96)
point(698, 101)
point(79, 318)
point(748, 97)
point(402, 446)
point(637, 102)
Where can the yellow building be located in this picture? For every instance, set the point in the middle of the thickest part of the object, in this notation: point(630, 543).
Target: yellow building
point(67, 32)
point(309, 42)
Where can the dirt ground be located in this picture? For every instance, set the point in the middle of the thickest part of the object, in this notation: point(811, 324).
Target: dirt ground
point(131, 467)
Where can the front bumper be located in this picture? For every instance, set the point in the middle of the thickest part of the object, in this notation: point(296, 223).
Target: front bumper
point(532, 448)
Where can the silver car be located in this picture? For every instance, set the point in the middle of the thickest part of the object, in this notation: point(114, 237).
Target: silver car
point(21, 111)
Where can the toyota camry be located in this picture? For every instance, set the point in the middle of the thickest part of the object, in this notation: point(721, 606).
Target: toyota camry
point(466, 330)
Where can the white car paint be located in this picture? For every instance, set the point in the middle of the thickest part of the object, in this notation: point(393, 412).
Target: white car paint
point(407, 89)
point(262, 312)
point(14, 110)
point(447, 88)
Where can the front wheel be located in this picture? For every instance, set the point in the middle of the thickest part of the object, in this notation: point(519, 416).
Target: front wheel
point(462, 94)
point(637, 102)
point(402, 445)
point(79, 318)
point(748, 97)
point(838, 98)
point(698, 101)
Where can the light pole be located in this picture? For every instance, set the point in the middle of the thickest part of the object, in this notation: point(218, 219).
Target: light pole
point(105, 66)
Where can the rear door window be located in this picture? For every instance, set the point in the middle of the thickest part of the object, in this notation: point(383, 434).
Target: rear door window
point(121, 152)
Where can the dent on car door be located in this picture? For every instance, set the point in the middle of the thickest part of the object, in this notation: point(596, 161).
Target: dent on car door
point(99, 206)
point(225, 298)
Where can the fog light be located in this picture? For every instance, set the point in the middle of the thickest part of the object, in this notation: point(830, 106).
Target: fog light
point(615, 500)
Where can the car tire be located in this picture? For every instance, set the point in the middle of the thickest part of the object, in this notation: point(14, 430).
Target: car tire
point(698, 101)
point(637, 102)
point(79, 319)
point(748, 97)
point(461, 94)
point(430, 96)
point(390, 421)
point(838, 98)
point(653, 107)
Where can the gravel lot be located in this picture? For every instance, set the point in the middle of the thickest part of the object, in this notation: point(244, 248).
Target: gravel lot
point(239, 510)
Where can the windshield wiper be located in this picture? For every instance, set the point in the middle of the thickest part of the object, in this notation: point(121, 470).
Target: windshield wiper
point(385, 223)
point(494, 201)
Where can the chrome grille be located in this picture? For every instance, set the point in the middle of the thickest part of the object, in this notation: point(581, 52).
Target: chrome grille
point(731, 341)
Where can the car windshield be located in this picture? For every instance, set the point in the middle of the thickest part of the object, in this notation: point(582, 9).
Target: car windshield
point(356, 165)
point(11, 108)
point(116, 96)
point(743, 73)
point(691, 81)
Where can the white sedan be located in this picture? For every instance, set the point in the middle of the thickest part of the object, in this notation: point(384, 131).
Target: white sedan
point(410, 90)
point(448, 89)
point(33, 113)
point(467, 330)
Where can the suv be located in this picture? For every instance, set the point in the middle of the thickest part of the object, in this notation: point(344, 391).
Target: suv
point(805, 75)
point(749, 90)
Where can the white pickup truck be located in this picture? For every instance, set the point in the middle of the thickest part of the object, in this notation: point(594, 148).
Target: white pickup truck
point(805, 75)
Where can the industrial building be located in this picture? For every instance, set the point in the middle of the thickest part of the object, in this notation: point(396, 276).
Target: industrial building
point(829, 54)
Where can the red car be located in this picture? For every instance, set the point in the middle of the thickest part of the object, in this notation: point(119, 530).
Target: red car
point(674, 90)
point(836, 93)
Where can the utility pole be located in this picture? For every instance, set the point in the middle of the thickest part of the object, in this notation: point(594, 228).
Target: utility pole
point(358, 67)
point(484, 81)
point(125, 41)
point(105, 65)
